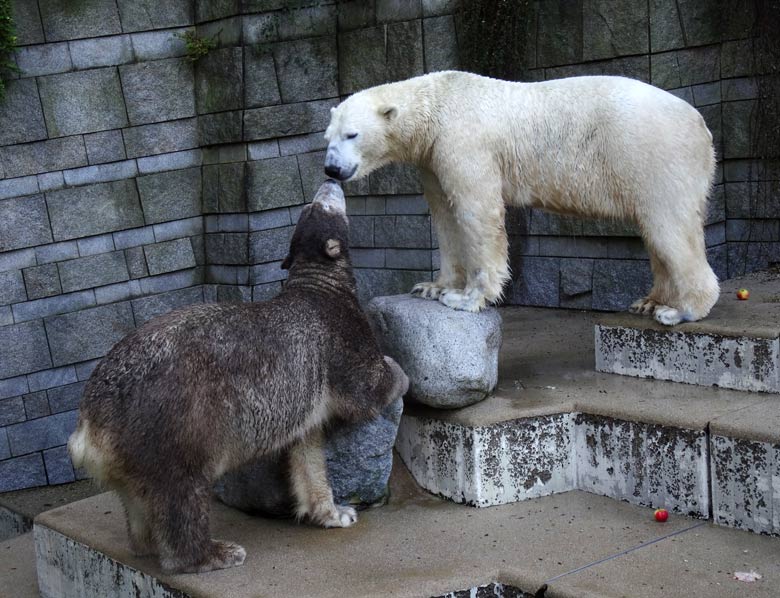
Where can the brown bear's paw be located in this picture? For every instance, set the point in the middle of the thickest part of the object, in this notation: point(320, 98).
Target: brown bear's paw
point(427, 290)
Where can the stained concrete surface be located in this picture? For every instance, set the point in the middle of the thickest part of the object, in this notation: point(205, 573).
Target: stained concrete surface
point(17, 568)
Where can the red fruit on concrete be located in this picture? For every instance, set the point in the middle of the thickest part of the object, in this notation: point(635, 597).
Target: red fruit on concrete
point(661, 515)
point(743, 294)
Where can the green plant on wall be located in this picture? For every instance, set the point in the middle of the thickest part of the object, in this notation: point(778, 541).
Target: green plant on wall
point(197, 47)
point(7, 44)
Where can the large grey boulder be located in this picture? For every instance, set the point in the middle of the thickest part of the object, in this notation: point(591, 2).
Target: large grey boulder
point(450, 356)
point(359, 458)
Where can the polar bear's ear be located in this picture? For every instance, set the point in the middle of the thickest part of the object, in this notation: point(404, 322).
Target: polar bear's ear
point(388, 111)
point(333, 248)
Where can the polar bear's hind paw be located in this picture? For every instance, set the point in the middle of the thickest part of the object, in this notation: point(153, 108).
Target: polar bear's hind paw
point(462, 301)
point(427, 290)
point(644, 306)
point(668, 316)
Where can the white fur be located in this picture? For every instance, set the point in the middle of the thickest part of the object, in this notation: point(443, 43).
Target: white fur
point(601, 147)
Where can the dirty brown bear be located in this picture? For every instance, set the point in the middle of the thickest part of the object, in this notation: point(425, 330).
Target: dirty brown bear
point(202, 390)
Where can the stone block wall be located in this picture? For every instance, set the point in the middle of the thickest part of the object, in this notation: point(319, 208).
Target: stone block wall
point(134, 180)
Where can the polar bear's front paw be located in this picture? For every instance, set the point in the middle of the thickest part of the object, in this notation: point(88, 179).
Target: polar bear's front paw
point(644, 306)
point(427, 290)
point(457, 299)
point(668, 316)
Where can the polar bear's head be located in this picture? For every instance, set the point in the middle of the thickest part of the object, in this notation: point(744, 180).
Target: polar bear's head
point(358, 137)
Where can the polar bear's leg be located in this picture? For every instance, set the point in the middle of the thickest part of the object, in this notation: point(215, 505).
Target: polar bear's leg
point(451, 272)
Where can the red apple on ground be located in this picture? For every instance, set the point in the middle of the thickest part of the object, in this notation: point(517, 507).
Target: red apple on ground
point(743, 294)
point(661, 515)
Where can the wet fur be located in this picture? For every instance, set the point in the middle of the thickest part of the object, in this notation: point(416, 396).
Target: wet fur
point(204, 389)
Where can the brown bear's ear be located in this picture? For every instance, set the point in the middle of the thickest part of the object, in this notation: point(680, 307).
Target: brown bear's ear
point(333, 248)
point(388, 111)
point(287, 262)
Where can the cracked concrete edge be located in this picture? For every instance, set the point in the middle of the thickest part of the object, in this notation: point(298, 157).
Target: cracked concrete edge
point(13, 524)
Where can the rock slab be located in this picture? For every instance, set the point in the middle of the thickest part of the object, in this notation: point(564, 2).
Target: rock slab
point(359, 457)
point(450, 356)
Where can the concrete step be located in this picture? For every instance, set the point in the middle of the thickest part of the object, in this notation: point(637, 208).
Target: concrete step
point(736, 346)
point(555, 425)
point(17, 567)
point(579, 544)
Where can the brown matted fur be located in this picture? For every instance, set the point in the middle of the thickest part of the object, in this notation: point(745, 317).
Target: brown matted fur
point(204, 389)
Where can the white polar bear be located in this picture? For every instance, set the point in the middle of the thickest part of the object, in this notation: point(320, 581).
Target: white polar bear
point(603, 147)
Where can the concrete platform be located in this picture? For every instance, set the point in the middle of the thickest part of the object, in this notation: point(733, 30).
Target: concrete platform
point(579, 544)
point(556, 425)
point(17, 568)
point(736, 346)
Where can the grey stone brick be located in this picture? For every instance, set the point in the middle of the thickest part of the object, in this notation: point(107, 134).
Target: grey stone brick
point(51, 378)
point(154, 45)
point(106, 146)
point(273, 183)
point(6, 315)
point(406, 204)
point(634, 67)
point(22, 472)
point(23, 222)
point(706, 93)
point(169, 256)
point(121, 291)
point(64, 19)
point(356, 14)
point(43, 156)
point(84, 370)
point(50, 181)
point(269, 219)
point(58, 304)
point(684, 93)
point(537, 282)
point(311, 169)
point(133, 237)
point(223, 127)
point(170, 195)
point(573, 247)
point(174, 161)
point(147, 308)
point(375, 282)
point(208, 10)
point(404, 50)
point(11, 387)
point(36, 405)
point(440, 44)
point(261, 150)
point(685, 67)
point(12, 287)
point(95, 245)
point(101, 51)
point(42, 281)
point(260, 28)
point(88, 333)
point(178, 228)
point(65, 398)
point(21, 118)
point(261, 87)
point(361, 231)
point(269, 245)
point(93, 271)
point(301, 144)
point(44, 59)
point(26, 185)
point(750, 230)
point(737, 58)
point(265, 292)
point(226, 274)
point(159, 90)
point(73, 211)
point(356, 206)
point(715, 234)
point(368, 258)
point(388, 11)
point(231, 187)
point(289, 119)
point(219, 81)
point(614, 28)
point(665, 26)
point(5, 450)
point(161, 138)
point(14, 260)
point(227, 32)
point(310, 21)
point(227, 248)
point(408, 259)
point(269, 272)
point(402, 231)
point(227, 223)
point(56, 252)
point(43, 433)
point(576, 277)
point(307, 69)
point(738, 123)
point(395, 179)
point(12, 411)
point(82, 102)
point(362, 59)
point(744, 88)
point(27, 21)
point(234, 293)
point(59, 469)
point(101, 173)
point(560, 33)
point(136, 262)
point(141, 15)
point(23, 349)
point(618, 283)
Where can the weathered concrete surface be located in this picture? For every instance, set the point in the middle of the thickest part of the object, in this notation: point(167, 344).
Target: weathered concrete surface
point(736, 346)
point(13, 524)
point(416, 547)
point(17, 568)
point(450, 356)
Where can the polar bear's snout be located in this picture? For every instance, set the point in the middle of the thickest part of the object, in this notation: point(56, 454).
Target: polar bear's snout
point(339, 166)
